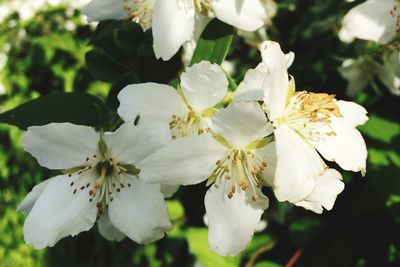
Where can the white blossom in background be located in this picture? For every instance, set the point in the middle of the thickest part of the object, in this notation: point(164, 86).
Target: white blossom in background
point(378, 21)
point(304, 124)
point(389, 72)
point(99, 181)
point(27, 9)
point(235, 160)
point(174, 23)
point(359, 73)
point(374, 20)
point(188, 109)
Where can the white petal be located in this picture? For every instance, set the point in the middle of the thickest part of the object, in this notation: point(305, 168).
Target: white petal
point(276, 83)
point(232, 222)
point(267, 154)
point(250, 89)
point(157, 101)
point(289, 58)
point(173, 25)
point(353, 112)
point(243, 14)
point(58, 213)
point(298, 165)
point(27, 204)
point(140, 212)
point(370, 20)
point(327, 187)
point(389, 72)
point(60, 145)
point(241, 123)
point(189, 47)
point(130, 144)
point(98, 10)
point(358, 72)
point(347, 148)
point(107, 229)
point(188, 160)
point(169, 190)
point(204, 85)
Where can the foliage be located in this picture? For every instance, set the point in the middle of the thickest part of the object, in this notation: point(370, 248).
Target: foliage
point(51, 68)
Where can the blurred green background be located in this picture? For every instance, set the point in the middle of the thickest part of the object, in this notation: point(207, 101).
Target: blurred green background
point(45, 53)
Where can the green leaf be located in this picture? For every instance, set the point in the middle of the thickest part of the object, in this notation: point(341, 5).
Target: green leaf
point(103, 66)
point(198, 243)
point(267, 264)
point(381, 129)
point(214, 43)
point(79, 108)
point(176, 210)
point(304, 229)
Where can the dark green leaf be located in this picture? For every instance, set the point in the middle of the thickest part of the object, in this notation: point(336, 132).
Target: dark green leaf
point(103, 66)
point(79, 108)
point(214, 43)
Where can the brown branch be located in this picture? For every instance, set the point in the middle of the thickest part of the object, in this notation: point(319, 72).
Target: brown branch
point(294, 258)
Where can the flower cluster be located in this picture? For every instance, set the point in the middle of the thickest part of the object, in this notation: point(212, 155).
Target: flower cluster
point(377, 21)
point(181, 22)
point(263, 135)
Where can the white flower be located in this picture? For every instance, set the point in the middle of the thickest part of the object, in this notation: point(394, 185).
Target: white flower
point(359, 73)
point(175, 22)
point(188, 109)
point(375, 20)
point(389, 72)
point(304, 124)
point(235, 159)
point(100, 179)
point(253, 37)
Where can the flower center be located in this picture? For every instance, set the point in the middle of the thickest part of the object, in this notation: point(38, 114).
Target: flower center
point(311, 113)
point(140, 11)
point(204, 7)
point(190, 124)
point(101, 177)
point(239, 170)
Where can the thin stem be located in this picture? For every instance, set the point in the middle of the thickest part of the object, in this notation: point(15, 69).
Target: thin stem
point(258, 252)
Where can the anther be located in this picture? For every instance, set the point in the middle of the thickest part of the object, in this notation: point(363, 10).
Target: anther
point(216, 186)
point(74, 191)
point(264, 164)
point(72, 183)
